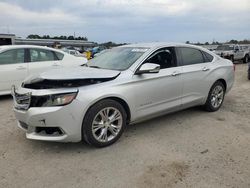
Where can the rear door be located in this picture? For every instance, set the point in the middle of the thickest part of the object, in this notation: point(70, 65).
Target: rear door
point(41, 60)
point(13, 69)
point(196, 69)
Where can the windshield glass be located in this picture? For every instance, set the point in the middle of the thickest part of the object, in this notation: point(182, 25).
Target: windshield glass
point(224, 47)
point(120, 58)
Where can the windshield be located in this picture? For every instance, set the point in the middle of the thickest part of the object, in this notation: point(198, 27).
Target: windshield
point(224, 47)
point(120, 58)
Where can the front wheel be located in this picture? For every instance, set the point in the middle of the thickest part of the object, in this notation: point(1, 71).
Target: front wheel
point(215, 97)
point(104, 123)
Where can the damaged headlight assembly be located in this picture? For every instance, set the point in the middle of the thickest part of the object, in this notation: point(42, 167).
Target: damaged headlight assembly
point(53, 100)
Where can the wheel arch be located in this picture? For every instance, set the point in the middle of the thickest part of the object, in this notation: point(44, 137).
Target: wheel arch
point(117, 99)
point(125, 106)
point(223, 82)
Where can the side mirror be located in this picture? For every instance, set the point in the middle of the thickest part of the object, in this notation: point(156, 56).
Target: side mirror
point(148, 68)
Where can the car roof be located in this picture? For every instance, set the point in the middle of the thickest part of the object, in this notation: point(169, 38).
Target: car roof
point(154, 45)
point(159, 44)
point(8, 47)
point(21, 46)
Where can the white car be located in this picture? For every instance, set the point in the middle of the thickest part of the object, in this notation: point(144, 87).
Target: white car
point(19, 61)
point(124, 85)
point(74, 52)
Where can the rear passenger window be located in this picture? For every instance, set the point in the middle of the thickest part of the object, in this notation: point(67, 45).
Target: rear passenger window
point(208, 57)
point(12, 57)
point(59, 55)
point(191, 56)
point(41, 55)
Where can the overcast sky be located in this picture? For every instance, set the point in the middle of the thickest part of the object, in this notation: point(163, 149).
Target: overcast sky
point(129, 20)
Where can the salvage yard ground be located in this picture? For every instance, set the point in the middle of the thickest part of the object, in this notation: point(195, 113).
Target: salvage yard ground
point(191, 148)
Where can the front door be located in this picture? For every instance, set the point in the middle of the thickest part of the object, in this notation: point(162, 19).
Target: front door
point(158, 92)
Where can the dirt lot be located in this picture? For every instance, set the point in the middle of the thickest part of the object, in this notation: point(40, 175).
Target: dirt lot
point(190, 148)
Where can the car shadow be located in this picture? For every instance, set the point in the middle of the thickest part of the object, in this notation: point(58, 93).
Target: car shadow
point(146, 127)
point(5, 97)
point(173, 117)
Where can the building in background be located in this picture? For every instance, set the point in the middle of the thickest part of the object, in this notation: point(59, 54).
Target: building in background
point(9, 39)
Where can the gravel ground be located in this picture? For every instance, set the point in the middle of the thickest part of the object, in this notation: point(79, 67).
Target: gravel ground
point(191, 148)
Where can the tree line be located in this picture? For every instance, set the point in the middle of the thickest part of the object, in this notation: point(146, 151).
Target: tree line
point(62, 37)
point(218, 43)
point(112, 44)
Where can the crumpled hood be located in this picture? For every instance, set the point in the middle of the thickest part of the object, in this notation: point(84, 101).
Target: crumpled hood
point(76, 73)
point(69, 77)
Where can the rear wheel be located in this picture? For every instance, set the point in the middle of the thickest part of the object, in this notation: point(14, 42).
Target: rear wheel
point(104, 123)
point(215, 97)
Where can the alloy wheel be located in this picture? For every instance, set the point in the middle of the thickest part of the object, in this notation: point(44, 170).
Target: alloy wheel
point(107, 124)
point(217, 96)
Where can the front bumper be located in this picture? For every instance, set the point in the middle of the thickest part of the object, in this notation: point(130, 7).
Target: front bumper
point(66, 119)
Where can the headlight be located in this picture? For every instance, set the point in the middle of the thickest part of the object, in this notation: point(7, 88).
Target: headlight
point(58, 99)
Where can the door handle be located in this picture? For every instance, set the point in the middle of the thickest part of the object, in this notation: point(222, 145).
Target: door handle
point(20, 68)
point(175, 73)
point(205, 69)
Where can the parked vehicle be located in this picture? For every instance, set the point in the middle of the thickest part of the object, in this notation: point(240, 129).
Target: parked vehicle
point(19, 61)
point(75, 53)
point(233, 52)
point(124, 85)
point(97, 50)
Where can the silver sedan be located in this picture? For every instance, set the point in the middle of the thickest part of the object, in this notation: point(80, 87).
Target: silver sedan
point(122, 86)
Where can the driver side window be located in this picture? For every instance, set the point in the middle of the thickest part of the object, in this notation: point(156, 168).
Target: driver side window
point(164, 57)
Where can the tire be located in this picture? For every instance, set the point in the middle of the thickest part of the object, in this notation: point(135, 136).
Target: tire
point(214, 101)
point(246, 58)
point(106, 130)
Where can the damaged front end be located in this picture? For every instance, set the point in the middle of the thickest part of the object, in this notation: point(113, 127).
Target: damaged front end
point(54, 84)
point(69, 78)
point(60, 96)
point(24, 101)
point(58, 87)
